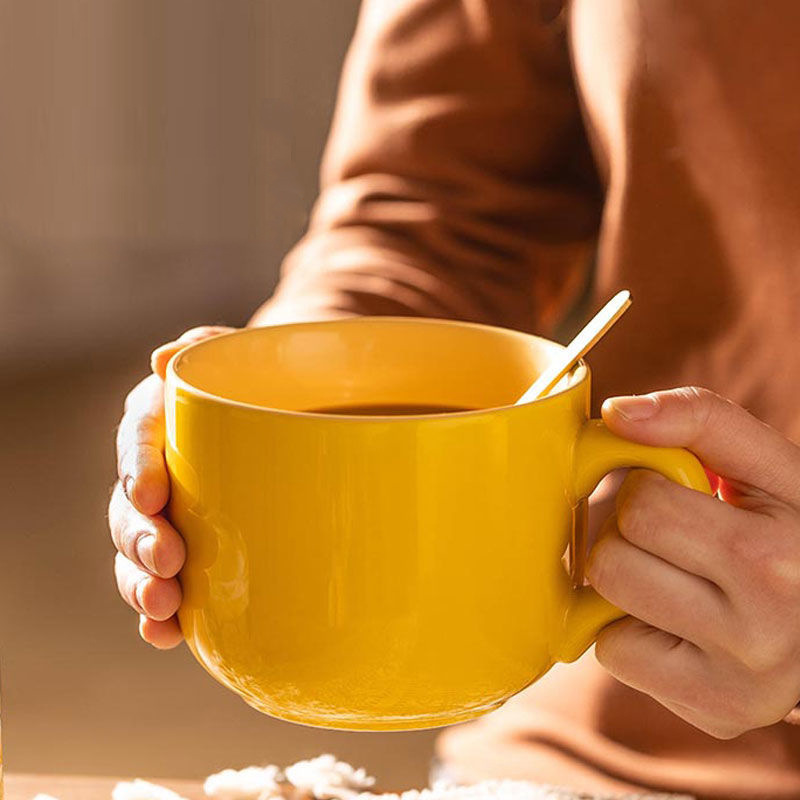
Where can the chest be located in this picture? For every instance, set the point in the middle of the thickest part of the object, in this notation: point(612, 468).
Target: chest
point(705, 82)
point(690, 111)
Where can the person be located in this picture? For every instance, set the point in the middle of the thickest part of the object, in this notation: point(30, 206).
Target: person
point(514, 162)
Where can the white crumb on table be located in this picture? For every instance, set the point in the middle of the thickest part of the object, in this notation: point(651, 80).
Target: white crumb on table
point(325, 778)
point(142, 790)
point(251, 783)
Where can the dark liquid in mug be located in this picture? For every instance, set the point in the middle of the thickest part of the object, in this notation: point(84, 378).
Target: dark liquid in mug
point(388, 410)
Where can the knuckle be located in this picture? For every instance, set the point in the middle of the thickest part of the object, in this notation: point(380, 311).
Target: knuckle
point(756, 652)
point(760, 649)
point(124, 450)
point(780, 573)
point(777, 565)
point(768, 559)
point(703, 404)
point(128, 542)
point(127, 461)
point(137, 444)
point(144, 426)
point(765, 656)
point(698, 396)
point(129, 438)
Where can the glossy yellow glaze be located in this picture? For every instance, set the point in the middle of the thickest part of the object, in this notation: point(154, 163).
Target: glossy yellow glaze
point(383, 572)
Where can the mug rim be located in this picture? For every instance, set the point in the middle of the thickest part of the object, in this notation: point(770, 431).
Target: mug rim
point(579, 374)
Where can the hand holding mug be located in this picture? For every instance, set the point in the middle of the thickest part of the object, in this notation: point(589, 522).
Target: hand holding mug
point(713, 588)
point(150, 551)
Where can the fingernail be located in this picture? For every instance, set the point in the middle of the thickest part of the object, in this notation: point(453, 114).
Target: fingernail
point(127, 486)
point(634, 407)
point(146, 551)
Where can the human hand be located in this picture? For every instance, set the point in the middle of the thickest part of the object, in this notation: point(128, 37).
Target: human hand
point(150, 551)
point(712, 585)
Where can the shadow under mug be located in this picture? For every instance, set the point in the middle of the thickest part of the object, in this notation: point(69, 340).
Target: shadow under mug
point(366, 572)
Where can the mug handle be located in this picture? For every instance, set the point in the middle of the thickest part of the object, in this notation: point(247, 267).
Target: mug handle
point(597, 452)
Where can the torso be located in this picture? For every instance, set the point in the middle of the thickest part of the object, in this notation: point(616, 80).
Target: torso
point(697, 135)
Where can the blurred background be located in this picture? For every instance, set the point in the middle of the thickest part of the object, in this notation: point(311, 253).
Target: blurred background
point(157, 159)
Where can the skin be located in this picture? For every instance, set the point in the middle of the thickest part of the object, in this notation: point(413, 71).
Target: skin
point(712, 584)
point(150, 552)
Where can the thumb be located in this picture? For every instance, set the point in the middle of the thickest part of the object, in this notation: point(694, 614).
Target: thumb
point(161, 355)
point(725, 437)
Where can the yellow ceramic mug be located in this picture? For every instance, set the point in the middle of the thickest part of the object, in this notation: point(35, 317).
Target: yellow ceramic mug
point(384, 572)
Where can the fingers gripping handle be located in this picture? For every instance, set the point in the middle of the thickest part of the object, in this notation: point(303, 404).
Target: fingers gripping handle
point(598, 452)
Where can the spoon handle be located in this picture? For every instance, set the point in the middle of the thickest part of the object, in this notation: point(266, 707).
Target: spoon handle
point(593, 331)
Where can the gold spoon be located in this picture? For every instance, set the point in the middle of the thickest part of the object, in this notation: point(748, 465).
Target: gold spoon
point(593, 331)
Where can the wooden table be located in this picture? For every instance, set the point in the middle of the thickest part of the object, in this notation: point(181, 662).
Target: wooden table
point(25, 787)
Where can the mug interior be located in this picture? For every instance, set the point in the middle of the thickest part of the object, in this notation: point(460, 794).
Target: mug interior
point(368, 361)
